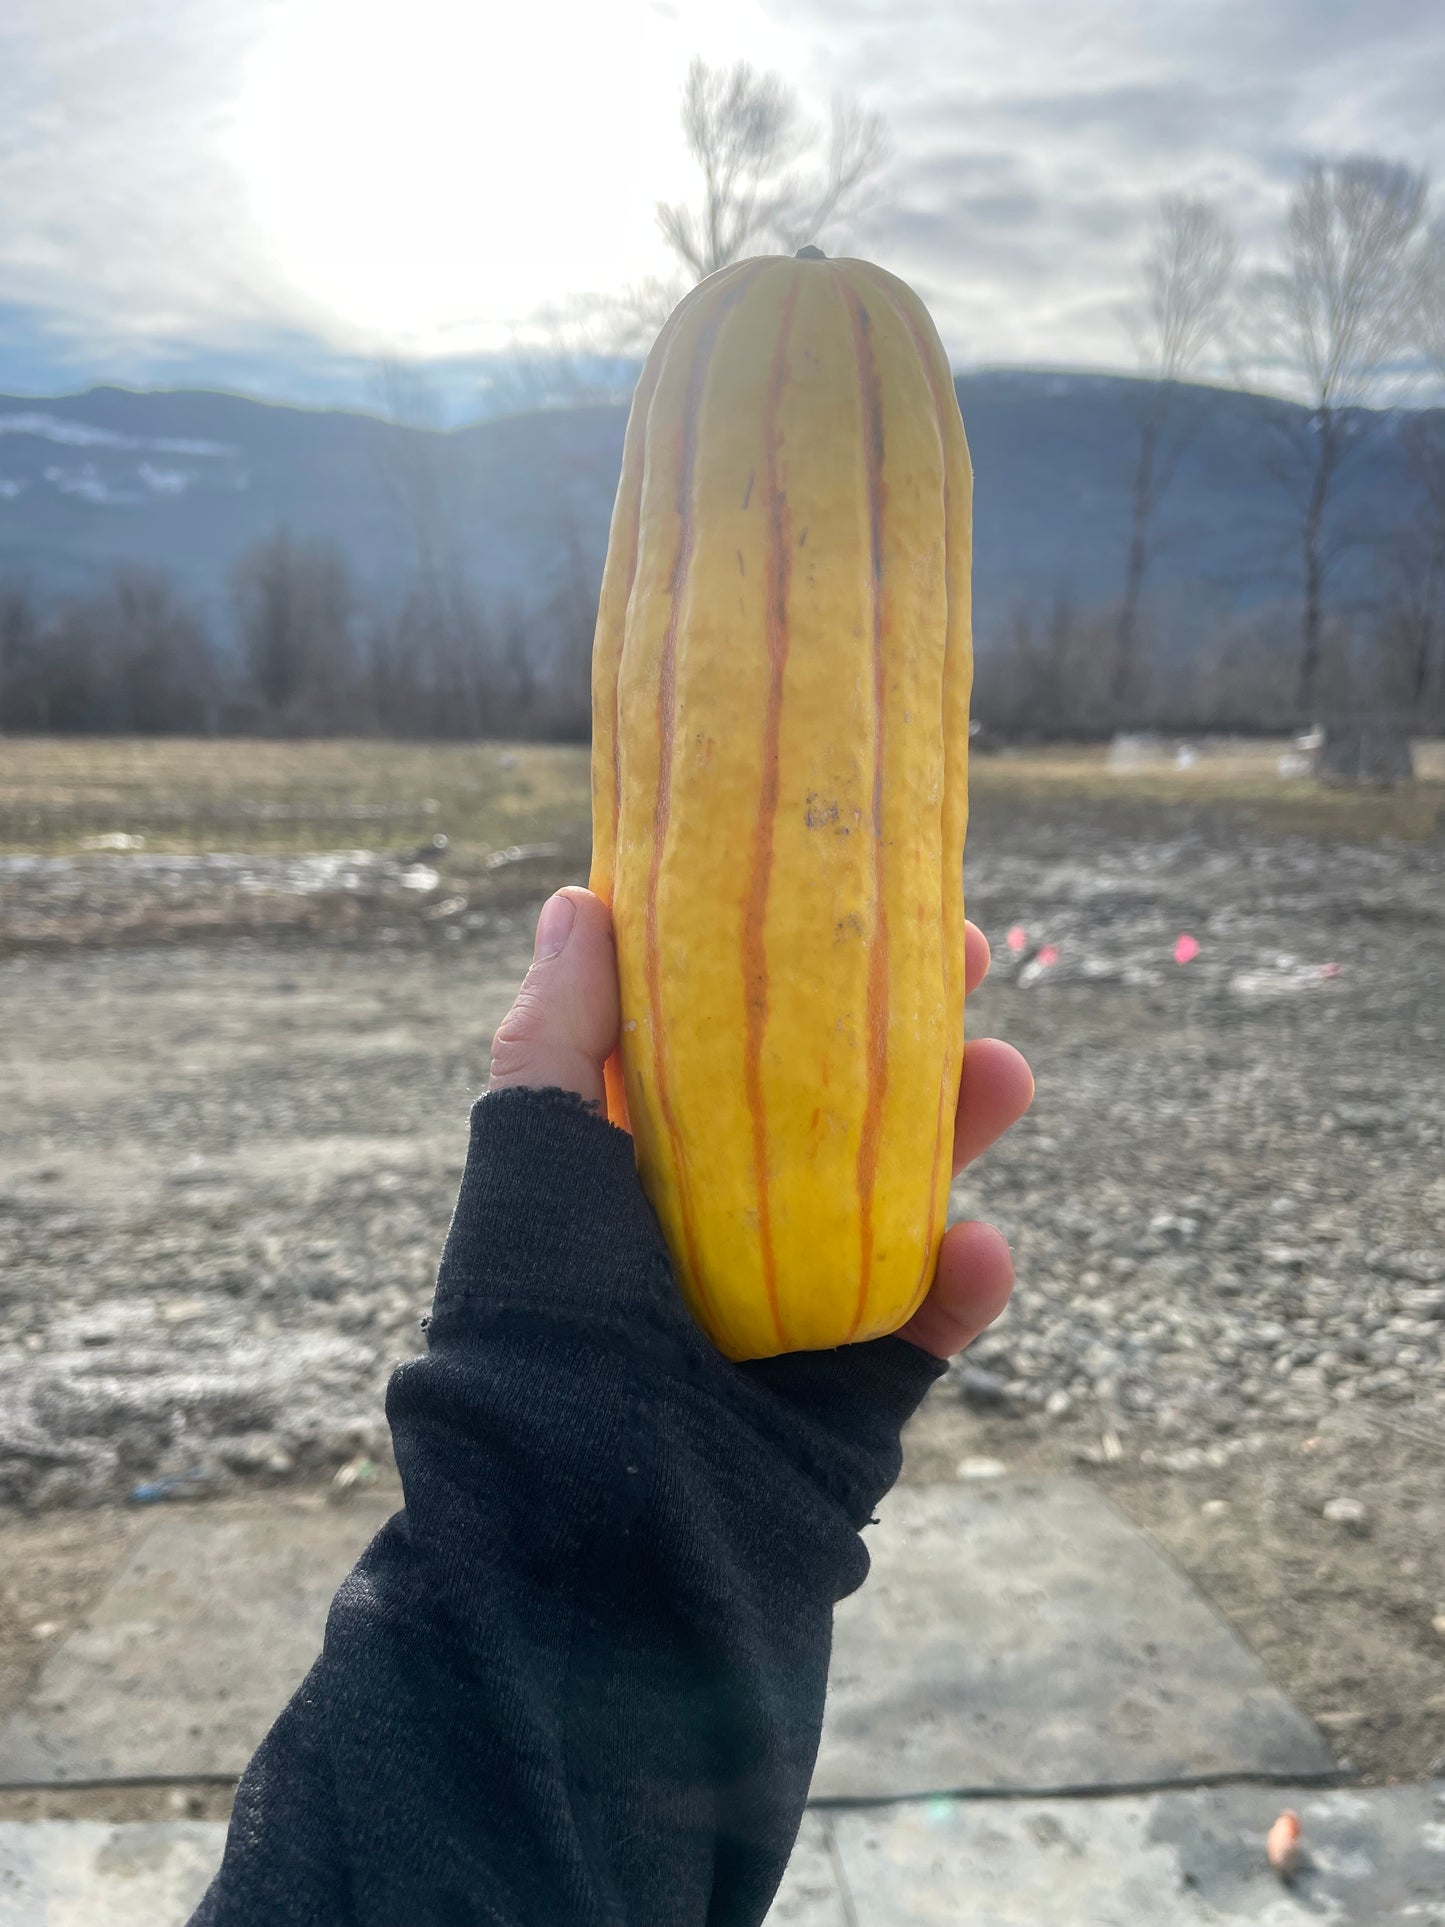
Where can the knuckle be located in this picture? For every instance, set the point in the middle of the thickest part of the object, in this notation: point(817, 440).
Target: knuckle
point(515, 1040)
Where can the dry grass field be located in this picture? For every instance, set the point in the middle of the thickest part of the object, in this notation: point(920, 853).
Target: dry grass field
point(1240, 777)
point(59, 794)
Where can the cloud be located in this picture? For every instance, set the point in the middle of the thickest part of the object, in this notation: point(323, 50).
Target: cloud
point(1031, 144)
point(1034, 141)
point(120, 220)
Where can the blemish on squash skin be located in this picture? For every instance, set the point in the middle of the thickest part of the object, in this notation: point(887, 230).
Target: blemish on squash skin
point(748, 491)
point(742, 567)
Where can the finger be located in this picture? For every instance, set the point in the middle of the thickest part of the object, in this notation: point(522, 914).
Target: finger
point(996, 1088)
point(970, 1289)
point(976, 957)
point(563, 1024)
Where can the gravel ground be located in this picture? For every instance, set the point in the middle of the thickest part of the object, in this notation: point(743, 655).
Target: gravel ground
point(226, 1168)
point(1228, 1206)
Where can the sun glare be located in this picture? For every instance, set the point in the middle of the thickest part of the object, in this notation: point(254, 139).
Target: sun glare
point(439, 172)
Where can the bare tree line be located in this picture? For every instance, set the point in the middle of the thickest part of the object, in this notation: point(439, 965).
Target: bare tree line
point(309, 655)
point(1046, 675)
point(131, 657)
point(1357, 290)
point(312, 657)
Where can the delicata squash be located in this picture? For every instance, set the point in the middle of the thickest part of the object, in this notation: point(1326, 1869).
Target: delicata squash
point(781, 679)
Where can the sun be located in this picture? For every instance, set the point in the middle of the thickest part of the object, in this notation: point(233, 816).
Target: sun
point(438, 173)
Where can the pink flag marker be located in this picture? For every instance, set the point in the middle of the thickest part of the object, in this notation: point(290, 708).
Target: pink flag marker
point(1329, 970)
point(1048, 955)
point(1186, 948)
point(1017, 938)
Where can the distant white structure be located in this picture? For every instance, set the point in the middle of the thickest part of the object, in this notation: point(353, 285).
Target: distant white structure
point(1138, 749)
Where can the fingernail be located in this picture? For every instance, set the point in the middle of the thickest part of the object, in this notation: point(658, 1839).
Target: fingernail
point(554, 926)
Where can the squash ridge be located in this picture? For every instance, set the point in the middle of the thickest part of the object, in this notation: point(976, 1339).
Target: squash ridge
point(755, 955)
point(878, 959)
point(666, 722)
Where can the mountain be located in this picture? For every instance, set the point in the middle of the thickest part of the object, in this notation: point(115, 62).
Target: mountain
point(185, 480)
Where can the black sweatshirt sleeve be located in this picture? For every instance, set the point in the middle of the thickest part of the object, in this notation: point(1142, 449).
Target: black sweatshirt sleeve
point(580, 1678)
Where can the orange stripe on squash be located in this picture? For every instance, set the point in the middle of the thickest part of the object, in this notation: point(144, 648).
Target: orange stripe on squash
point(619, 575)
point(780, 768)
point(877, 1050)
point(666, 719)
point(948, 1092)
point(755, 956)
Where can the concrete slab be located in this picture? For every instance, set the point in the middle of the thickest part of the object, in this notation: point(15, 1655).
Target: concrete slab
point(1018, 1636)
point(810, 1895)
point(1022, 1636)
point(1373, 1858)
point(199, 1642)
point(84, 1873)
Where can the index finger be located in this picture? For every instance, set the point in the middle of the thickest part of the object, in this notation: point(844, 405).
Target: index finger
point(976, 958)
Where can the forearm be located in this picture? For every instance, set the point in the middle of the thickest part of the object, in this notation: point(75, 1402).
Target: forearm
point(581, 1677)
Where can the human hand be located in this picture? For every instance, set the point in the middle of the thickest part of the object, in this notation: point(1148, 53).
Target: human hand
point(975, 1266)
point(563, 1026)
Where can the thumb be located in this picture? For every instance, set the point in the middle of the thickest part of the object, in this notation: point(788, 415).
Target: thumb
point(563, 1024)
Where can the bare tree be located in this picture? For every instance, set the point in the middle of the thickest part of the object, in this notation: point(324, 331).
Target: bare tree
point(1412, 612)
point(1185, 282)
point(295, 614)
point(154, 655)
point(747, 134)
point(1046, 674)
point(21, 660)
point(1342, 307)
point(1430, 299)
point(133, 657)
point(635, 315)
point(537, 377)
point(1414, 623)
point(413, 453)
point(431, 662)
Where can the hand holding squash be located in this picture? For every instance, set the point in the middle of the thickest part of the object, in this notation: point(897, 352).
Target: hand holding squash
point(563, 1026)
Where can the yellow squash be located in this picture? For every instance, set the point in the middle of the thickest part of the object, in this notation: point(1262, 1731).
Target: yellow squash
point(780, 745)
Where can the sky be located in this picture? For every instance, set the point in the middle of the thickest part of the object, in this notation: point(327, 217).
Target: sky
point(276, 195)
